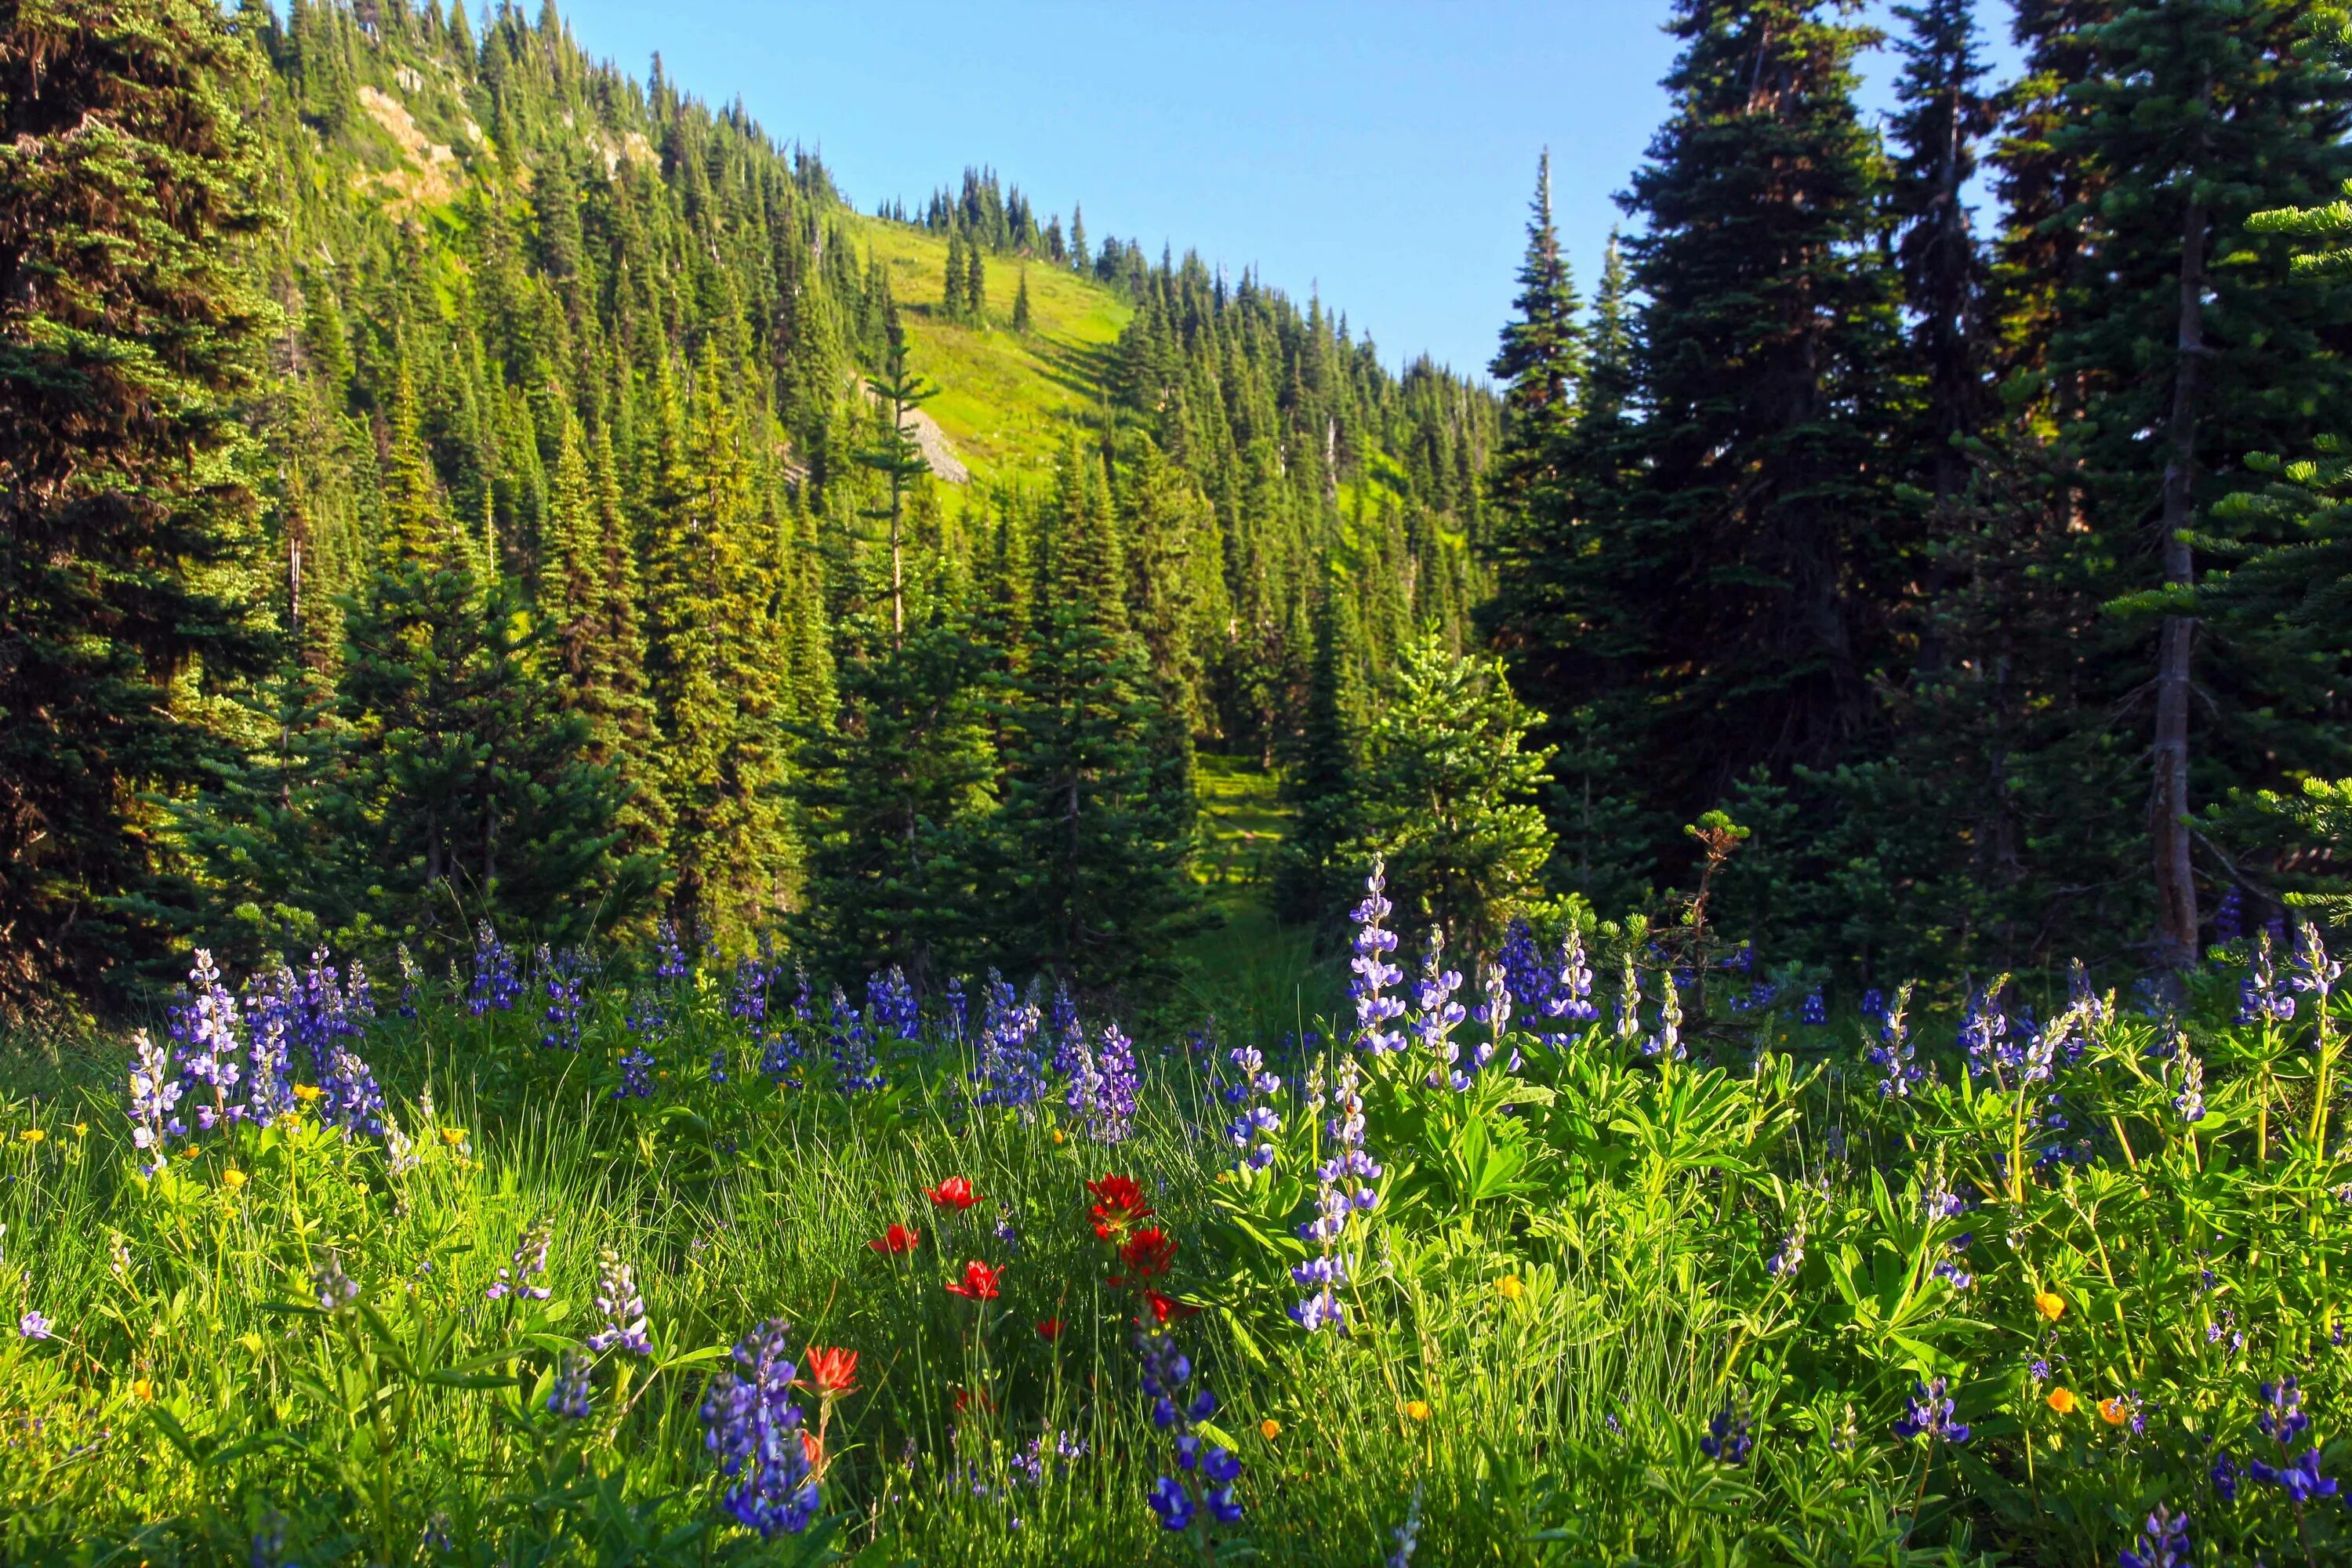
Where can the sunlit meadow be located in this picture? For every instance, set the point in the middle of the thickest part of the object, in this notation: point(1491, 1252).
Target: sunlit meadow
point(1611, 1250)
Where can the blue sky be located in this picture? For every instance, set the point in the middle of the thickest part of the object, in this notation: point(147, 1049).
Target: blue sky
point(1384, 153)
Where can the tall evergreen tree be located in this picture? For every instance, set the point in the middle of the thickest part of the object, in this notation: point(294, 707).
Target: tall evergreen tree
point(127, 334)
point(898, 458)
point(1541, 359)
point(1021, 319)
point(1097, 796)
point(2197, 116)
point(1720, 593)
point(1314, 876)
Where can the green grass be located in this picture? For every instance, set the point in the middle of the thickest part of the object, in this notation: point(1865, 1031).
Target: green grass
point(1007, 400)
point(1256, 978)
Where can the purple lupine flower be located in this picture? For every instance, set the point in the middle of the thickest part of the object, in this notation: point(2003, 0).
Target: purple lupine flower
point(1931, 1416)
point(351, 1099)
point(529, 1264)
point(566, 980)
point(153, 1094)
point(1666, 1045)
point(206, 1029)
point(638, 1066)
point(2191, 1101)
point(854, 1070)
point(1527, 979)
point(959, 1010)
point(334, 1289)
point(1437, 1014)
point(1342, 1190)
point(890, 1000)
point(1873, 1004)
point(1629, 1002)
point(269, 1026)
point(670, 963)
point(1984, 1033)
point(1206, 1472)
point(1372, 973)
point(624, 1308)
point(2314, 971)
point(752, 1426)
point(1895, 1055)
point(2230, 915)
point(2163, 1542)
point(1816, 1010)
point(412, 981)
point(495, 984)
point(1005, 1064)
point(1784, 1264)
point(1570, 1001)
point(1062, 1026)
point(1406, 1537)
point(2224, 1476)
point(1121, 1080)
point(1494, 1015)
point(568, 1398)
point(2260, 998)
point(1258, 1121)
point(1727, 1441)
point(2083, 1002)
point(33, 1325)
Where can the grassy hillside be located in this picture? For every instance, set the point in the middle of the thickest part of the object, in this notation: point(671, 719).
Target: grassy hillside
point(1005, 398)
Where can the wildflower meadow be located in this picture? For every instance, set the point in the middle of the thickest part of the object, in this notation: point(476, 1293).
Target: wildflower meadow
point(1602, 1249)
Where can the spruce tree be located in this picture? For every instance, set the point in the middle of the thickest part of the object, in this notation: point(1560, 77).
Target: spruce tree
point(975, 287)
point(954, 303)
point(1020, 317)
point(2197, 116)
point(1719, 582)
point(127, 183)
point(1097, 808)
point(898, 458)
point(1312, 876)
point(1540, 362)
point(1448, 797)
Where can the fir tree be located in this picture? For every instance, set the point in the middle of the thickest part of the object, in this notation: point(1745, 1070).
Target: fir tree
point(955, 302)
point(1314, 876)
point(1540, 362)
point(1097, 808)
point(1020, 317)
point(898, 458)
point(1448, 797)
point(126, 182)
point(975, 287)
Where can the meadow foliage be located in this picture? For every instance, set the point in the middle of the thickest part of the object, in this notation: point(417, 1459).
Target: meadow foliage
point(713, 1264)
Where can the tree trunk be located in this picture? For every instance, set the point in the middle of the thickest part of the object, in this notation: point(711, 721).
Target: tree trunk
point(2176, 886)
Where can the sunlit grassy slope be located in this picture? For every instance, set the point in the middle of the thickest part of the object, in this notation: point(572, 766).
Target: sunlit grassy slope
point(1257, 976)
point(1006, 399)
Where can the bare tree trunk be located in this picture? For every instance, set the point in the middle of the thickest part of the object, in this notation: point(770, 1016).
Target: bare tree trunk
point(2175, 885)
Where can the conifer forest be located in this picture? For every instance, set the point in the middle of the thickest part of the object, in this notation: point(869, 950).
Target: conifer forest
point(698, 869)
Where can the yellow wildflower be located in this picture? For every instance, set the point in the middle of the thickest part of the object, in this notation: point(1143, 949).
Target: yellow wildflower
point(32, 1135)
point(81, 1129)
point(232, 1178)
point(1512, 1287)
point(307, 1092)
point(1269, 1428)
point(2050, 1304)
point(2114, 1410)
point(1417, 1409)
point(140, 1388)
point(1058, 1135)
point(453, 1136)
point(2062, 1401)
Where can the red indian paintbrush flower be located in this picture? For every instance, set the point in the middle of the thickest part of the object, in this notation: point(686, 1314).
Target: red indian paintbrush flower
point(895, 1240)
point(1160, 1309)
point(979, 1282)
point(832, 1371)
point(1150, 1253)
point(1118, 1205)
point(955, 1193)
point(1049, 1327)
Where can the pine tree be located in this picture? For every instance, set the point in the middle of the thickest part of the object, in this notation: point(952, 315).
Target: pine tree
point(1719, 581)
point(1943, 119)
point(1448, 795)
point(955, 304)
point(898, 458)
point(1312, 876)
point(1020, 317)
point(1541, 359)
point(2197, 116)
point(1097, 809)
point(895, 788)
point(975, 287)
point(126, 182)
point(1080, 261)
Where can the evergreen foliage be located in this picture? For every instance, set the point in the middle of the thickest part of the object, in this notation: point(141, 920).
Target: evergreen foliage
point(129, 587)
